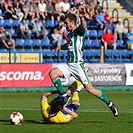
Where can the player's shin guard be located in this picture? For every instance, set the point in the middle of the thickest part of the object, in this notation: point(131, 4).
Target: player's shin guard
point(57, 83)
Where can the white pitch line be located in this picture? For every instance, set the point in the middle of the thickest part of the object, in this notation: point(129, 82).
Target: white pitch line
point(80, 110)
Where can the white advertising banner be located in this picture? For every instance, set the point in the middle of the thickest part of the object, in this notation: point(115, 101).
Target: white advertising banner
point(129, 74)
point(107, 74)
point(104, 74)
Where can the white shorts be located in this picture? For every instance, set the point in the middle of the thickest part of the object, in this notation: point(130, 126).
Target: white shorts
point(76, 70)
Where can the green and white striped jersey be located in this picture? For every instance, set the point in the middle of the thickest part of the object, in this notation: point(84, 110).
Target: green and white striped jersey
point(75, 45)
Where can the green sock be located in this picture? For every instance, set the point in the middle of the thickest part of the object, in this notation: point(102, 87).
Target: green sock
point(57, 83)
point(103, 98)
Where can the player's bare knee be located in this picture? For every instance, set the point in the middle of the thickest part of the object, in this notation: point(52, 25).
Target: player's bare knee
point(53, 73)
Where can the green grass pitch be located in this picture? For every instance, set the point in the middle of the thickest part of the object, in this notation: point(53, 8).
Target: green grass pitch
point(94, 115)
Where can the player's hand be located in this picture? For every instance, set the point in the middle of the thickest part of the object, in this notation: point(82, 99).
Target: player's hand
point(82, 12)
point(57, 49)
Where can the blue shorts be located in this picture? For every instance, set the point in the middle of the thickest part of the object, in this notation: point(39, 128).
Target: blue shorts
point(71, 107)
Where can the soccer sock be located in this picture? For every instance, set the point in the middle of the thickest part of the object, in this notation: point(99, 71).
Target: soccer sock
point(75, 96)
point(57, 83)
point(80, 88)
point(103, 98)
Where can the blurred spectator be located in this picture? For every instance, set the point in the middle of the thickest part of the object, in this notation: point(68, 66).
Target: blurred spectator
point(56, 37)
point(24, 30)
point(108, 40)
point(42, 8)
point(90, 10)
point(58, 10)
point(27, 9)
point(65, 6)
point(98, 8)
point(75, 4)
point(38, 29)
point(111, 25)
point(18, 11)
point(34, 8)
point(129, 38)
point(120, 30)
point(62, 29)
point(100, 19)
point(50, 11)
point(9, 10)
point(4, 40)
point(107, 16)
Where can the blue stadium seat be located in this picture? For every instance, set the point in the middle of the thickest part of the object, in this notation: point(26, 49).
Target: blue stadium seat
point(87, 44)
point(94, 56)
point(37, 42)
point(108, 56)
point(1, 22)
point(45, 42)
point(100, 33)
point(8, 23)
point(95, 43)
point(50, 24)
point(86, 56)
point(15, 23)
point(47, 56)
point(88, 24)
point(87, 34)
point(63, 41)
point(20, 42)
point(11, 31)
point(91, 56)
point(116, 56)
point(126, 56)
point(63, 56)
point(56, 22)
point(120, 44)
point(28, 42)
point(93, 34)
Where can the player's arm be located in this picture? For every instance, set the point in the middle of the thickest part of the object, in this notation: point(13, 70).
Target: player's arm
point(82, 20)
point(47, 94)
point(72, 114)
point(64, 47)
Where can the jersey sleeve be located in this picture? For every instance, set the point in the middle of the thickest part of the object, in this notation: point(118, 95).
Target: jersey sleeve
point(80, 31)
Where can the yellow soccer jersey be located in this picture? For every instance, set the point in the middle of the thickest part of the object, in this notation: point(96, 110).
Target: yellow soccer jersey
point(59, 118)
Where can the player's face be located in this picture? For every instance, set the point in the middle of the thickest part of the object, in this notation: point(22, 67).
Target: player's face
point(68, 24)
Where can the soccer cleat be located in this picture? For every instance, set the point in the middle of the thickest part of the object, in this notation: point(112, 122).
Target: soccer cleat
point(113, 108)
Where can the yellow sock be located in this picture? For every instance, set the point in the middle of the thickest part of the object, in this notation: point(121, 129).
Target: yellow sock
point(75, 85)
point(75, 97)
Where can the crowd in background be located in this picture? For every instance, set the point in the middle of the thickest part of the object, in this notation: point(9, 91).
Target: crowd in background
point(39, 11)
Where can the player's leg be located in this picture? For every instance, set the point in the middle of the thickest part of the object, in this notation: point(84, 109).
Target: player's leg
point(54, 75)
point(98, 93)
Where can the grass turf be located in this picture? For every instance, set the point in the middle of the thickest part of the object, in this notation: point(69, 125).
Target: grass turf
point(94, 115)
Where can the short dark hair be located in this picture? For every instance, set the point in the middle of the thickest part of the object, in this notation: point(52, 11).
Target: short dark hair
point(57, 106)
point(72, 17)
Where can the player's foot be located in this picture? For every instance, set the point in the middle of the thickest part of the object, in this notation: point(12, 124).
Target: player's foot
point(113, 109)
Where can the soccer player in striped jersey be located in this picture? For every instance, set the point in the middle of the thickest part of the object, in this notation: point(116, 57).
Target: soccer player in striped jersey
point(75, 66)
